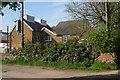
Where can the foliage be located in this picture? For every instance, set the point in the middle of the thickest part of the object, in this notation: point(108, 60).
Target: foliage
point(6, 50)
point(99, 42)
point(30, 51)
point(70, 52)
point(99, 66)
point(117, 47)
point(12, 5)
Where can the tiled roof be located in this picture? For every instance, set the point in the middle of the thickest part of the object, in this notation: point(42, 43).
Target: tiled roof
point(37, 26)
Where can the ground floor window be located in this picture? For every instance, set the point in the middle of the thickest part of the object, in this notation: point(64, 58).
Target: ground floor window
point(48, 38)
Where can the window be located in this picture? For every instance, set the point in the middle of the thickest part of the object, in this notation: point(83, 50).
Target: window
point(65, 38)
point(48, 38)
point(19, 32)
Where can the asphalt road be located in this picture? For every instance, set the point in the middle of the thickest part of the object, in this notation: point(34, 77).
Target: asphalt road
point(17, 71)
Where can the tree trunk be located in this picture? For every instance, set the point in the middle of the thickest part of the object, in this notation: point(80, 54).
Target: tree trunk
point(107, 24)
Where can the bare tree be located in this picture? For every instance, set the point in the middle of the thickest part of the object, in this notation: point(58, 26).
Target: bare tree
point(93, 11)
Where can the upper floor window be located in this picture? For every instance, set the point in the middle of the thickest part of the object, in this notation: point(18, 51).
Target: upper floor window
point(48, 38)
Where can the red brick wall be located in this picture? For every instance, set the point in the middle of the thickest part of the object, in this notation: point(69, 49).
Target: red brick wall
point(106, 57)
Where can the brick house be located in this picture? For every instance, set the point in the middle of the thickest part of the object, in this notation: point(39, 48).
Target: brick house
point(34, 31)
point(71, 29)
point(40, 31)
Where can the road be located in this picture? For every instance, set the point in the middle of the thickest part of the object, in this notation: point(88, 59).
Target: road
point(18, 71)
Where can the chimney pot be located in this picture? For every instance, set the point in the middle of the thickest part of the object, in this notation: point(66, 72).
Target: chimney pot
point(29, 18)
point(42, 22)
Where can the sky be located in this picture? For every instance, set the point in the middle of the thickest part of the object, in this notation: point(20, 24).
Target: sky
point(53, 12)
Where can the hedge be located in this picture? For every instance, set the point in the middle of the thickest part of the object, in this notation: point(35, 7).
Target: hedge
point(70, 52)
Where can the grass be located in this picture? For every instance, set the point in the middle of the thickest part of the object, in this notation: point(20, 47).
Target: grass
point(97, 66)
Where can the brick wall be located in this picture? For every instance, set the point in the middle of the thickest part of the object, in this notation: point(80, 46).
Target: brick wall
point(74, 36)
point(106, 57)
point(16, 37)
point(57, 39)
point(27, 34)
point(38, 36)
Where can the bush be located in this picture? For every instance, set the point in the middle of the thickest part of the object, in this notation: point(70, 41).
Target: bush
point(6, 50)
point(99, 42)
point(70, 52)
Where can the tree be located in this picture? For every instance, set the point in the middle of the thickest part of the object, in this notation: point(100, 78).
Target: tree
point(107, 22)
point(94, 12)
point(12, 5)
point(100, 12)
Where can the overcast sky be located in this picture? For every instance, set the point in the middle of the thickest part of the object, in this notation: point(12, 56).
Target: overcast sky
point(53, 12)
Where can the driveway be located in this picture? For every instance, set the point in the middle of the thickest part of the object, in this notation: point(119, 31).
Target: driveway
point(18, 71)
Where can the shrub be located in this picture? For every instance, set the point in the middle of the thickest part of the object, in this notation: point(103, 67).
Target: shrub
point(99, 42)
point(6, 50)
point(70, 52)
point(19, 58)
point(99, 66)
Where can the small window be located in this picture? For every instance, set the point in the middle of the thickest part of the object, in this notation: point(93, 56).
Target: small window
point(48, 38)
point(19, 32)
point(65, 38)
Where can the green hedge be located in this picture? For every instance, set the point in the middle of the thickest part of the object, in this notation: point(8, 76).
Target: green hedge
point(70, 52)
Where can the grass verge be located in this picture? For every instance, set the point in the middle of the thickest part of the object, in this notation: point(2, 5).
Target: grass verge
point(97, 66)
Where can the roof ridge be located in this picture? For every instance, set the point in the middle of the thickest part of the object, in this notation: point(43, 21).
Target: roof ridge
point(71, 20)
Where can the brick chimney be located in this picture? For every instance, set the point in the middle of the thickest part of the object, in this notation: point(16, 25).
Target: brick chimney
point(29, 18)
point(42, 22)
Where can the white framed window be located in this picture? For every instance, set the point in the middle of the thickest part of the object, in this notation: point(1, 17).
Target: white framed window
point(65, 38)
point(48, 38)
